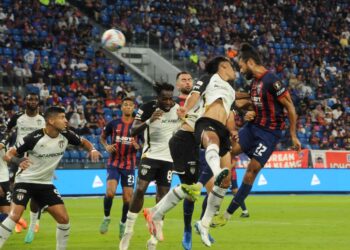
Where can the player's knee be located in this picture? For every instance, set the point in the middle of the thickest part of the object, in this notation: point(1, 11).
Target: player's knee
point(15, 216)
point(63, 219)
point(110, 194)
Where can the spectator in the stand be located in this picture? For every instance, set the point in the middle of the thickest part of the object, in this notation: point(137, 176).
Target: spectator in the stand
point(44, 93)
point(337, 112)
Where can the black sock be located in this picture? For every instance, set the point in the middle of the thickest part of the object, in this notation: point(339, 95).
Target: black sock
point(188, 211)
point(204, 206)
point(239, 198)
point(107, 205)
point(125, 212)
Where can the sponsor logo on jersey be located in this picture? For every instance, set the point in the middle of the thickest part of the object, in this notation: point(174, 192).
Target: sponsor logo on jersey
point(50, 155)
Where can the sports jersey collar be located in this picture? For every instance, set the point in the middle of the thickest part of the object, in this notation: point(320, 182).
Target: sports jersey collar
point(262, 75)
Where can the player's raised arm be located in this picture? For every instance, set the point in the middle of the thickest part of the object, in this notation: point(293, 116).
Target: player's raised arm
point(287, 102)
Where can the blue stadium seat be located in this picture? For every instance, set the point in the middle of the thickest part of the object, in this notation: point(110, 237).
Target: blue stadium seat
point(105, 154)
point(97, 131)
point(74, 155)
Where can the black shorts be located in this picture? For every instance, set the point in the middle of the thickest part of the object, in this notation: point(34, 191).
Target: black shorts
point(156, 170)
point(43, 194)
point(184, 151)
point(208, 124)
point(6, 199)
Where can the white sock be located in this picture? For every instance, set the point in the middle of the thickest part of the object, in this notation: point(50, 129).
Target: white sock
point(62, 235)
point(33, 219)
point(213, 159)
point(169, 201)
point(6, 228)
point(130, 222)
point(153, 240)
point(107, 218)
point(214, 201)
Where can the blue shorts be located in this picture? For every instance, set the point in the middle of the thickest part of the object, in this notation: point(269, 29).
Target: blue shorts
point(233, 184)
point(258, 143)
point(126, 176)
point(204, 169)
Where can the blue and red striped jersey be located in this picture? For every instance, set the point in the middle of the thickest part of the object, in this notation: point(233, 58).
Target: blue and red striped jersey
point(265, 92)
point(125, 155)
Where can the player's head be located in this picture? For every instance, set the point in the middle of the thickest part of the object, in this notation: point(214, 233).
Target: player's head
point(56, 118)
point(184, 82)
point(221, 65)
point(32, 102)
point(248, 59)
point(165, 93)
point(127, 106)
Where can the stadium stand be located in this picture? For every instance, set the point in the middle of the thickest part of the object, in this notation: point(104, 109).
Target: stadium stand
point(51, 51)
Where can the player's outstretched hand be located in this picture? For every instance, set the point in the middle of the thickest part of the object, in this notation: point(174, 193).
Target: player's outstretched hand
point(25, 163)
point(296, 144)
point(156, 115)
point(95, 155)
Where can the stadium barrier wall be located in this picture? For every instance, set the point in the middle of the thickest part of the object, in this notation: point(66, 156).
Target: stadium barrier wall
point(91, 182)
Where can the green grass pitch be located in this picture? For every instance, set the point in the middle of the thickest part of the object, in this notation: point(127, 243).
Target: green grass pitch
point(276, 222)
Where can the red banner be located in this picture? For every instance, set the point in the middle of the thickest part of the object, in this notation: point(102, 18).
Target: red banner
point(281, 159)
point(338, 159)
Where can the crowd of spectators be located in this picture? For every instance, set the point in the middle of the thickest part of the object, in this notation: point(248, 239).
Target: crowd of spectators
point(50, 50)
point(304, 42)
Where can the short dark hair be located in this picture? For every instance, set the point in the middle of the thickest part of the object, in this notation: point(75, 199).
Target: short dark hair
point(51, 111)
point(248, 52)
point(158, 87)
point(212, 66)
point(128, 99)
point(181, 73)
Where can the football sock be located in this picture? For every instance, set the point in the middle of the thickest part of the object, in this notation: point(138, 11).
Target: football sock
point(188, 208)
point(130, 222)
point(6, 227)
point(239, 198)
point(169, 201)
point(33, 219)
point(215, 198)
point(3, 216)
point(213, 159)
point(62, 235)
point(107, 205)
point(243, 206)
point(125, 212)
point(204, 206)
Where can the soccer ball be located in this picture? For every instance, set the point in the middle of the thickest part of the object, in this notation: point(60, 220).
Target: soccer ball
point(113, 39)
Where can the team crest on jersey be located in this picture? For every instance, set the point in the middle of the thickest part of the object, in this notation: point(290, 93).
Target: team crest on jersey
point(192, 170)
point(61, 143)
point(277, 85)
point(39, 122)
point(20, 196)
point(144, 169)
point(258, 89)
